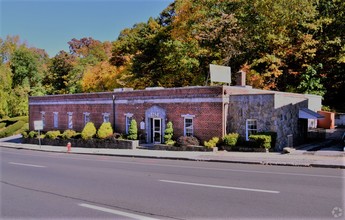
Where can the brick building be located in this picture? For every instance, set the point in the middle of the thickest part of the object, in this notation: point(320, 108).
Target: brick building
point(203, 112)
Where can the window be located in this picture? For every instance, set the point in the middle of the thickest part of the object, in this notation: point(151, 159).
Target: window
point(188, 125)
point(43, 118)
point(251, 127)
point(129, 117)
point(70, 120)
point(86, 117)
point(56, 119)
point(106, 117)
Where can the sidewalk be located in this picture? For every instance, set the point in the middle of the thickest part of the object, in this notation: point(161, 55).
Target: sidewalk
point(330, 159)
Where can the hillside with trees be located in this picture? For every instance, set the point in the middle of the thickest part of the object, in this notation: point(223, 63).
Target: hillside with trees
point(293, 46)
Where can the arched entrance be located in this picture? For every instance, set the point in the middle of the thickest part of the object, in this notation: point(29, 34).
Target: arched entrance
point(155, 124)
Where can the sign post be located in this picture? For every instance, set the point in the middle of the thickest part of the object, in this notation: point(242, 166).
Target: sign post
point(38, 125)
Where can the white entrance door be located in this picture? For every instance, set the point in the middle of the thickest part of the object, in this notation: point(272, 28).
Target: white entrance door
point(156, 130)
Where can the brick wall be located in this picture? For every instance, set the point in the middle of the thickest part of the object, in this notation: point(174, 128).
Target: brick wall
point(204, 103)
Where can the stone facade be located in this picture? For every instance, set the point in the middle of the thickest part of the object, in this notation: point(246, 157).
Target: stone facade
point(213, 111)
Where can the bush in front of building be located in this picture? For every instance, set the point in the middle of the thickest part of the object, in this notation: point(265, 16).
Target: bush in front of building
point(68, 134)
point(52, 134)
point(211, 143)
point(89, 131)
point(133, 130)
point(273, 136)
point(230, 140)
point(261, 140)
point(168, 134)
point(184, 141)
point(32, 134)
point(105, 130)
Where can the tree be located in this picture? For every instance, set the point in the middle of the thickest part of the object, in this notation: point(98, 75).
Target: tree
point(101, 77)
point(5, 89)
point(88, 47)
point(59, 69)
point(311, 81)
point(331, 50)
point(25, 68)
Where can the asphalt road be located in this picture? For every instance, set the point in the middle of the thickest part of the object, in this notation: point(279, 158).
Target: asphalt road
point(55, 185)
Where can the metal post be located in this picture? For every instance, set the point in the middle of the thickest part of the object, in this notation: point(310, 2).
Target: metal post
point(114, 112)
point(39, 138)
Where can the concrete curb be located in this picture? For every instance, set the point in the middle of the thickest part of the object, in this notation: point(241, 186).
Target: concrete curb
point(234, 161)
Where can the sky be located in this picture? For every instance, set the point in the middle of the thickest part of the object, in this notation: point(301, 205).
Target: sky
point(50, 24)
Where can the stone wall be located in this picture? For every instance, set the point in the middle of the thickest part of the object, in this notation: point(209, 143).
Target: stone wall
point(243, 107)
point(261, 107)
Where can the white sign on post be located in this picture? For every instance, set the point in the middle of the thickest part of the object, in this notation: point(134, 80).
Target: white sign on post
point(38, 125)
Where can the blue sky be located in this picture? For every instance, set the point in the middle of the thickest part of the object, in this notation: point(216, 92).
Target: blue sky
point(50, 24)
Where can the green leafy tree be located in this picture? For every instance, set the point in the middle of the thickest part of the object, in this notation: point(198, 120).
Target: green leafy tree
point(5, 89)
point(59, 69)
point(311, 81)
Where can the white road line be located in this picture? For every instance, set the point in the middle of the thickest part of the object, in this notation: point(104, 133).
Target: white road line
point(220, 187)
point(27, 165)
point(116, 212)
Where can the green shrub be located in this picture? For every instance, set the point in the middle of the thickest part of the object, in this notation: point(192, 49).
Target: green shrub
point(187, 141)
point(262, 141)
point(230, 140)
point(68, 134)
point(52, 134)
point(2, 125)
point(211, 143)
point(33, 134)
point(168, 134)
point(10, 130)
point(105, 130)
point(20, 118)
point(22, 129)
point(273, 136)
point(133, 131)
point(89, 131)
point(25, 134)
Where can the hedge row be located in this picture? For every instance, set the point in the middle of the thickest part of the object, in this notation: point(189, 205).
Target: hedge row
point(10, 130)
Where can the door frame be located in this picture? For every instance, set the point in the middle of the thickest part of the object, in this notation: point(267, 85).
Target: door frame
point(154, 131)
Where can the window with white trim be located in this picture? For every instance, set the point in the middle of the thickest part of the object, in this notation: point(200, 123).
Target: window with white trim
point(70, 120)
point(86, 117)
point(251, 127)
point(43, 118)
point(56, 119)
point(106, 117)
point(129, 117)
point(188, 125)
